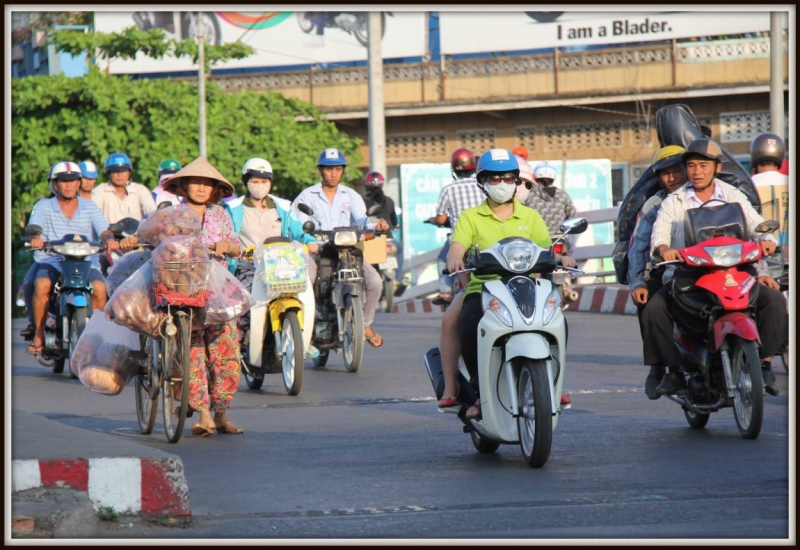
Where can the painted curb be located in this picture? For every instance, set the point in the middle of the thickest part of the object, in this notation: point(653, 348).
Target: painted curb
point(146, 486)
point(594, 298)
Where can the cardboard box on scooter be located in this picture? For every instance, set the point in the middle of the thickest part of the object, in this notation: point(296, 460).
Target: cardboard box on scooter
point(374, 250)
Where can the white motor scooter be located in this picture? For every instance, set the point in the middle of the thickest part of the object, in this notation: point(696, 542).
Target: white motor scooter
point(521, 350)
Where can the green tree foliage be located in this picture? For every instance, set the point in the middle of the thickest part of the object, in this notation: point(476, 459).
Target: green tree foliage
point(87, 118)
point(152, 43)
point(24, 24)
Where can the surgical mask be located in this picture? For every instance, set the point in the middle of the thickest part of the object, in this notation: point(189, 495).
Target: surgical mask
point(549, 190)
point(258, 190)
point(501, 192)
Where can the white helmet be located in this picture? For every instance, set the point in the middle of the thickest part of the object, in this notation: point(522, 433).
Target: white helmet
point(62, 171)
point(544, 171)
point(257, 167)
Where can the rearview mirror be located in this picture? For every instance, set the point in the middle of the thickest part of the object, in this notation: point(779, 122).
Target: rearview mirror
point(305, 209)
point(768, 227)
point(163, 204)
point(32, 230)
point(374, 210)
point(116, 228)
point(308, 227)
point(574, 226)
point(129, 226)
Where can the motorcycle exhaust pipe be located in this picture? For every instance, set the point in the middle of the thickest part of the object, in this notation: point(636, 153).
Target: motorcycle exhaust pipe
point(698, 409)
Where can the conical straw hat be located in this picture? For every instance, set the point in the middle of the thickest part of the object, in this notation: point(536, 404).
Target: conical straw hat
point(198, 167)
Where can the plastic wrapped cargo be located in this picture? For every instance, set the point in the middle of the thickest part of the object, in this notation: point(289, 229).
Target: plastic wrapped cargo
point(125, 267)
point(131, 304)
point(101, 356)
point(169, 222)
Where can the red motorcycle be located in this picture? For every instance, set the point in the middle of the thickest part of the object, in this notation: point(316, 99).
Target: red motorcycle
point(714, 291)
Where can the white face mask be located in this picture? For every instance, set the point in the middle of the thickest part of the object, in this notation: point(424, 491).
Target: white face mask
point(500, 193)
point(521, 193)
point(258, 190)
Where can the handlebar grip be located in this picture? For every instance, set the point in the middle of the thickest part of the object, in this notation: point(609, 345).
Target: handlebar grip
point(27, 245)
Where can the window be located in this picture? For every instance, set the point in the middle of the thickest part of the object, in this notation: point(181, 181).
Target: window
point(35, 60)
point(619, 183)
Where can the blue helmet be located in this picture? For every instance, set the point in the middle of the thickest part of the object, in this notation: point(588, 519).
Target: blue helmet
point(117, 162)
point(88, 169)
point(498, 161)
point(331, 157)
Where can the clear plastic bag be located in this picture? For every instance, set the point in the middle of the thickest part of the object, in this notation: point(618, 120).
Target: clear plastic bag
point(169, 222)
point(227, 299)
point(125, 267)
point(282, 267)
point(131, 306)
point(101, 357)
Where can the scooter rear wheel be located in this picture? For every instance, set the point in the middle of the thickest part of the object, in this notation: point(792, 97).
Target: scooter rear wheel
point(534, 424)
point(387, 297)
point(322, 359)
point(696, 421)
point(481, 444)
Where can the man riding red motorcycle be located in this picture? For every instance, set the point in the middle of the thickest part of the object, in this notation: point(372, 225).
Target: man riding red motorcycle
point(703, 159)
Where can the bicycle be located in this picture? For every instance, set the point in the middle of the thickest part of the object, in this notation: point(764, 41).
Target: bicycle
point(165, 371)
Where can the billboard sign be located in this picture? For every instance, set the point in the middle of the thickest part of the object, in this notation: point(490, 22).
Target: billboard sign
point(279, 38)
point(420, 187)
point(473, 32)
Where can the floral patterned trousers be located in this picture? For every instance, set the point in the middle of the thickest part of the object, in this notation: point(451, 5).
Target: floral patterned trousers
point(214, 371)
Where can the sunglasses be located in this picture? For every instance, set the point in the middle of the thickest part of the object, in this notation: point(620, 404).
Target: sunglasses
point(507, 178)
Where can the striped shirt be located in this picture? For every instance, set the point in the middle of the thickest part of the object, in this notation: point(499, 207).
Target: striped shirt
point(456, 197)
point(47, 214)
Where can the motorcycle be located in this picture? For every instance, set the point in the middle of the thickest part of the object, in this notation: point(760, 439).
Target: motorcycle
point(70, 301)
point(714, 293)
point(123, 228)
point(521, 350)
point(183, 25)
point(454, 283)
point(778, 265)
point(355, 23)
point(273, 342)
point(339, 291)
point(388, 272)
point(561, 277)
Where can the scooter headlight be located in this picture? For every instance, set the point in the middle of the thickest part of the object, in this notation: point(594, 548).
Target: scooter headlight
point(493, 303)
point(76, 249)
point(551, 305)
point(519, 255)
point(725, 256)
point(345, 238)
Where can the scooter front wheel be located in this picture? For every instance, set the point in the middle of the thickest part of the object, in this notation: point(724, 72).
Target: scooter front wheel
point(293, 353)
point(748, 399)
point(534, 424)
point(77, 322)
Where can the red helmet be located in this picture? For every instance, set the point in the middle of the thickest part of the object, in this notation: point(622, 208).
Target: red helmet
point(463, 160)
point(374, 179)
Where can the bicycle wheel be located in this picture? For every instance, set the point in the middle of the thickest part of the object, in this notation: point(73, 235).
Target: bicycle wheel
point(147, 386)
point(175, 379)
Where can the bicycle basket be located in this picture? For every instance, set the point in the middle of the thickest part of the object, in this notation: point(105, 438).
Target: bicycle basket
point(181, 283)
point(283, 268)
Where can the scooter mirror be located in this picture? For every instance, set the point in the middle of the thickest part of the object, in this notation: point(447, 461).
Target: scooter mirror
point(116, 228)
point(305, 209)
point(573, 226)
point(308, 227)
point(163, 204)
point(32, 230)
point(768, 227)
point(129, 226)
point(374, 210)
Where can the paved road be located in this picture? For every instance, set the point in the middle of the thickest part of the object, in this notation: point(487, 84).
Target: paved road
point(368, 455)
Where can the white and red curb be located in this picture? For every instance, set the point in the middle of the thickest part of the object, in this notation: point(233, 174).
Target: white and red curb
point(595, 298)
point(146, 486)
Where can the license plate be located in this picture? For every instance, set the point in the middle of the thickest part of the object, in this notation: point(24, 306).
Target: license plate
point(390, 263)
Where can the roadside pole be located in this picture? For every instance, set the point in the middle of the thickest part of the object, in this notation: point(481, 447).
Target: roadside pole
point(776, 73)
point(377, 121)
point(201, 60)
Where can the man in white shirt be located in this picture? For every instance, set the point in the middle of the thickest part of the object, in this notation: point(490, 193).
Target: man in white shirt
point(334, 206)
point(120, 197)
point(703, 159)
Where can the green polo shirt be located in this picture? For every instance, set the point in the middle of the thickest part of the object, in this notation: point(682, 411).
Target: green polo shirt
point(480, 225)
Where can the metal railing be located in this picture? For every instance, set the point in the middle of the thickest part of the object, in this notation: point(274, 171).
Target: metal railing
point(419, 263)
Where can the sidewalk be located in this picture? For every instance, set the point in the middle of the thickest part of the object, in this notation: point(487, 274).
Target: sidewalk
point(595, 298)
point(114, 473)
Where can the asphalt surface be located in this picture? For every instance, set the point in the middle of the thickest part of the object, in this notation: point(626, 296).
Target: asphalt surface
point(367, 455)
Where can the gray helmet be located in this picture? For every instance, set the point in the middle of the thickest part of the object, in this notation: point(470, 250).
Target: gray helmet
point(767, 148)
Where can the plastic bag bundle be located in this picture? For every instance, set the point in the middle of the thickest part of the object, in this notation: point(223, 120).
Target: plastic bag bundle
point(130, 305)
point(227, 299)
point(181, 268)
point(101, 359)
point(282, 268)
point(125, 267)
point(675, 125)
point(169, 222)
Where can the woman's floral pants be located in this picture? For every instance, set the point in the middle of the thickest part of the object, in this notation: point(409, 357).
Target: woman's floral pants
point(214, 371)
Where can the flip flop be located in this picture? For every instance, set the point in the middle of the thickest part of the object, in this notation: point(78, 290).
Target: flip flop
point(229, 428)
point(35, 350)
point(375, 337)
point(202, 431)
